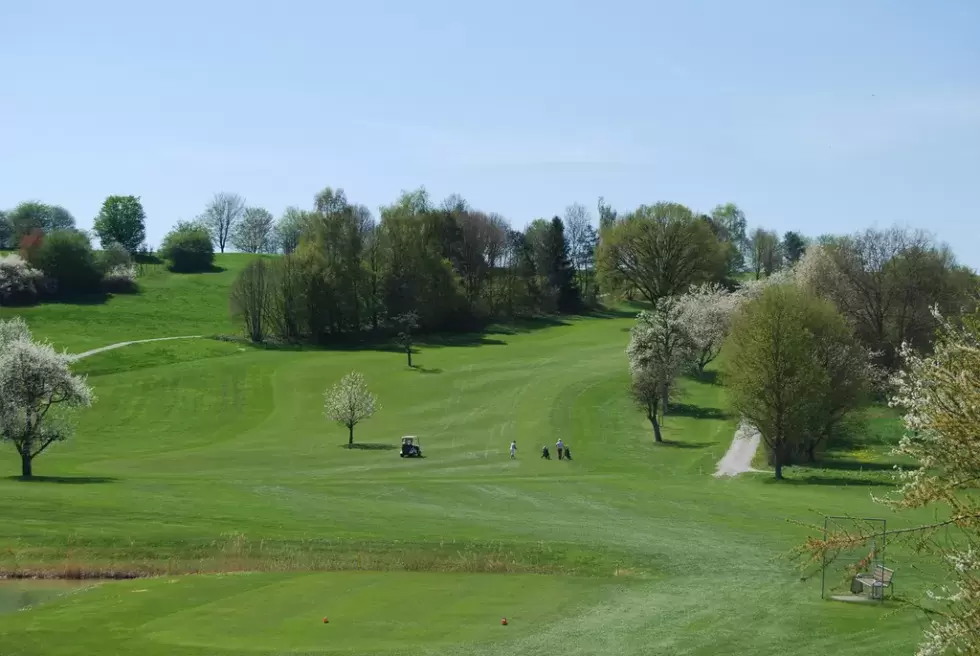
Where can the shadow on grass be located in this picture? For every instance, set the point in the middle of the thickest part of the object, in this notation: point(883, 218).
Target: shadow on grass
point(836, 481)
point(93, 298)
point(426, 370)
point(369, 446)
point(674, 444)
point(695, 411)
point(845, 464)
point(65, 480)
point(480, 335)
point(710, 377)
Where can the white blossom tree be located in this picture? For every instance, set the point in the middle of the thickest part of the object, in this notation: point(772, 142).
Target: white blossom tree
point(658, 352)
point(37, 393)
point(940, 394)
point(705, 313)
point(349, 402)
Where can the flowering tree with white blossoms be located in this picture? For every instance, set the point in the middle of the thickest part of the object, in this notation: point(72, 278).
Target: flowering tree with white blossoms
point(705, 313)
point(37, 393)
point(349, 402)
point(940, 394)
point(658, 352)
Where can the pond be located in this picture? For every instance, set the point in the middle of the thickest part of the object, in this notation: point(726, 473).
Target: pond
point(17, 594)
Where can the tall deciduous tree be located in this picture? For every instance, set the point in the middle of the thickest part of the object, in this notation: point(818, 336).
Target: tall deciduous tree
point(221, 216)
point(659, 350)
point(764, 252)
point(33, 215)
point(661, 250)
point(250, 298)
point(793, 247)
point(255, 232)
point(349, 403)
point(774, 371)
point(38, 392)
point(732, 225)
point(121, 221)
point(289, 229)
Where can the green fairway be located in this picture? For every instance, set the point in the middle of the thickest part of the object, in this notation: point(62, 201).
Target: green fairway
point(209, 457)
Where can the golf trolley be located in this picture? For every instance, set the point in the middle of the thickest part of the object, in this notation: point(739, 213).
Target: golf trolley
point(411, 448)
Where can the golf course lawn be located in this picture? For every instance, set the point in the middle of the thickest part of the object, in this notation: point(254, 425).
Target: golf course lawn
point(203, 460)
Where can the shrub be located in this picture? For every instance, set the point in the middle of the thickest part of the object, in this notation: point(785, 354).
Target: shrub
point(187, 249)
point(20, 283)
point(67, 258)
point(114, 255)
point(120, 279)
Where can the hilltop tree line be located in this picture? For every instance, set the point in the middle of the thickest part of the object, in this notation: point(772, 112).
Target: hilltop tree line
point(448, 265)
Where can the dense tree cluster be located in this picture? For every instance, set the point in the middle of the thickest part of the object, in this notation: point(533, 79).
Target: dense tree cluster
point(450, 265)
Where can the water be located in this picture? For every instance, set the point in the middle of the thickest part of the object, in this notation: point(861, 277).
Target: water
point(17, 594)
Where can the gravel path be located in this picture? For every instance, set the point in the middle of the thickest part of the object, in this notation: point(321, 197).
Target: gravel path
point(738, 459)
point(101, 349)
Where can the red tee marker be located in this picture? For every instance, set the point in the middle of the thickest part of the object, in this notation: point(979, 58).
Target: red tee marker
point(326, 621)
point(503, 621)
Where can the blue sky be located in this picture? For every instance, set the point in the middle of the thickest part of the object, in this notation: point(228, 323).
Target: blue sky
point(819, 117)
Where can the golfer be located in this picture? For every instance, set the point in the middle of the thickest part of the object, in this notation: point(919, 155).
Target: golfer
point(561, 448)
point(513, 449)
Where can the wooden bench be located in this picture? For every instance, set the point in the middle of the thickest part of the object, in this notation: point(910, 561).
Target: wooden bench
point(876, 581)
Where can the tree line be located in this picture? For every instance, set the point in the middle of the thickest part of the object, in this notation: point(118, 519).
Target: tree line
point(448, 265)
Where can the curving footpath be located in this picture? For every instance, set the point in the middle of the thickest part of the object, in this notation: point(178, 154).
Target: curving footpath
point(738, 459)
point(102, 349)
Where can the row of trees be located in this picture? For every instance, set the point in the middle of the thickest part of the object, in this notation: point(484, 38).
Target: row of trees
point(449, 265)
point(121, 221)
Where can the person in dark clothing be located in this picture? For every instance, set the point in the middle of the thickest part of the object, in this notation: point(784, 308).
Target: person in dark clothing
point(568, 454)
point(545, 453)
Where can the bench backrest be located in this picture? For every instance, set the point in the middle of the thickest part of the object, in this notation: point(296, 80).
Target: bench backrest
point(883, 574)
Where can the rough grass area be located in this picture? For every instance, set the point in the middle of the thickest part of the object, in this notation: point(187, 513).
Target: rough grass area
point(206, 456)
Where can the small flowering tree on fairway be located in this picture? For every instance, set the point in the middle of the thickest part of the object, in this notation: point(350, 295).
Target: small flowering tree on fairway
point(37, 393)
point(658, 352)
point(349, 402)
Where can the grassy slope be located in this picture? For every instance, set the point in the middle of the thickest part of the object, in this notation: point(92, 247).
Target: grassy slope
point(168, 305)
point(213, 456)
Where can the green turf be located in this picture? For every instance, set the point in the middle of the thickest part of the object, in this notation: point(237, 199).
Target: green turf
point(168, 304)
point(209, 456)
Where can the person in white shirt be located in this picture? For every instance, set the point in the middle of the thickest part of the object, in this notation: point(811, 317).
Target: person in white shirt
point(513, 449)
point(561, 448)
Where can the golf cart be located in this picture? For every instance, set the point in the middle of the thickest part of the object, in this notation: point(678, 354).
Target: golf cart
point(411, 447)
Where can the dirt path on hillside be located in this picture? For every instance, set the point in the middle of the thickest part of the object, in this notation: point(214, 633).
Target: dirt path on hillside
point(738, 459)
point(101, 349)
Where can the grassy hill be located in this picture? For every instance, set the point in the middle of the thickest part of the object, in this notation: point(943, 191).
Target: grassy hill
point(212, 459)
point(169, 304)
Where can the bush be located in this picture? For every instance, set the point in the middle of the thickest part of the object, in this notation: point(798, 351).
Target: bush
point(67, 258)
point(187, 249)
point(20, 283)
point(120, 279)
point(114, 255)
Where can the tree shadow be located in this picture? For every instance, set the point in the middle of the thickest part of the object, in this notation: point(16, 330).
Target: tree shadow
point(90, 298)
point(369, 446)
point(426, 370)
point(708, 377)
point(836, 481)
point(674, 444)
point(695, 411)
point(846, 464)
point(64, 480)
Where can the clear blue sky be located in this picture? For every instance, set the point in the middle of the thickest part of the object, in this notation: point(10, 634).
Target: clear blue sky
point(826, 118)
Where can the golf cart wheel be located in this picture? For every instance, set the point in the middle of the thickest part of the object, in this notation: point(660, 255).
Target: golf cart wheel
point(401, 455)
